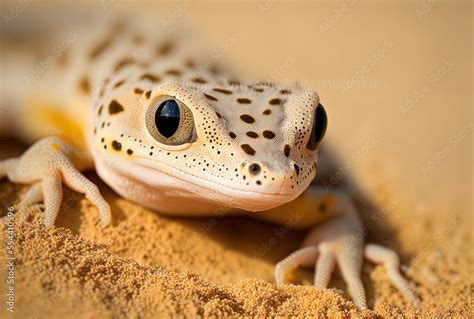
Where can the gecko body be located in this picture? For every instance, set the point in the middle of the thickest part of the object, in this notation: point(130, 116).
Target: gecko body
point(165, 127)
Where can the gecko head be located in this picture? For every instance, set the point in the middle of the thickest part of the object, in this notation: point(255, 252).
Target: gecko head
point(250, 147)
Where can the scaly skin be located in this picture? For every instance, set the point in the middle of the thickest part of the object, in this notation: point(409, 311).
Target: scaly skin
point(243, 147)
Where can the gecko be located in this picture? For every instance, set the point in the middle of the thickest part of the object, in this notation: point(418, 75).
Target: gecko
point(167, 128)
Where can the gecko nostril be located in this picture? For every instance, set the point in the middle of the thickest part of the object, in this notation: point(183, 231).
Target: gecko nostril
point(297, 169)
point(254, 169)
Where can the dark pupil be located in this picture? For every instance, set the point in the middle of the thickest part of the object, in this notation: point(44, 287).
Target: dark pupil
point(319, 128)
point(167, 118)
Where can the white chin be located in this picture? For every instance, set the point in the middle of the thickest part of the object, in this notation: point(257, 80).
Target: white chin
point(174, 196)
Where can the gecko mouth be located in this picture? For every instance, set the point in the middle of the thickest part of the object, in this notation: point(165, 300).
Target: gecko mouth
point(196, 187)
point(182, 186)
point(211, 185)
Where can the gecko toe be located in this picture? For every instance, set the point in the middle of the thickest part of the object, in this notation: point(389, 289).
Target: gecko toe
point(30, 202)
point(390, 260)
point(300, 257)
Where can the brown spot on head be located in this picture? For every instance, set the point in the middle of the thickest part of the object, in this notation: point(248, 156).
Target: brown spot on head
point(214, 69)
point(190, 63)
point(138, 39)
point(260, 90)
point(218, 115)
point(267, 112)
point(285, 92)
point(104, 85)
point(116, 146)
point(100, 48)
point(252, 134)
point(199, 80)
point(247, 118)
point(144, 65)
point(275, 101)
point(124, 62)
point(165, 48)
point(148, 94)
point(232, 135)
point(173, 72)
point(150, 77)
point(119, 26)
point(244, 101)
point(234, 82)
point(210, 97)
point(119, 83)
point(99, 112)
point(248, 149)
point(223, 91)
point(115, 107)
point(138, 91)
point(85, 85)
point(268, 134)
point(129, 152)
point(286, 150)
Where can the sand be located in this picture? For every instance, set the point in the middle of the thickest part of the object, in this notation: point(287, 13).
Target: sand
point(369, 62)
point(147, 265)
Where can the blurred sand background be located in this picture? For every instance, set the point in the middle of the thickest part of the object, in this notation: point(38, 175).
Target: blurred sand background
point(396, 80)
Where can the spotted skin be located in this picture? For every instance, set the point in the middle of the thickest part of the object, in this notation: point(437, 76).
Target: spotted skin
point(243, 150)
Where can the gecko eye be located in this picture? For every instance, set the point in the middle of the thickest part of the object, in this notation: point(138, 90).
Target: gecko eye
point(320, 124)
point(169, 121)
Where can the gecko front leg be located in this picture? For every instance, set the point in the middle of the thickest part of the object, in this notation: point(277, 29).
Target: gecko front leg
point(45, 166)
point(340, 241)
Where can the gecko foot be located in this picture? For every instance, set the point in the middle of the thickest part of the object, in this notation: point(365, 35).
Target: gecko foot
point(340, 242)
point(46, 165)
